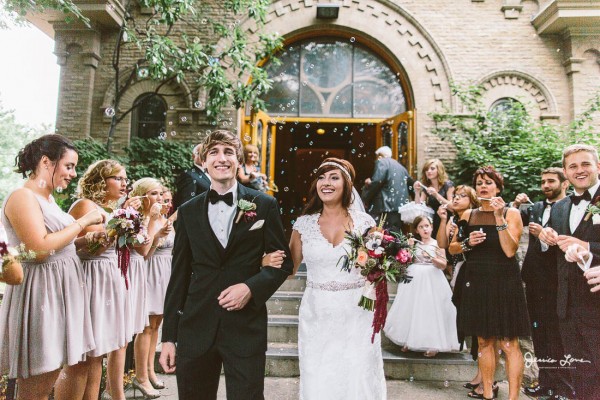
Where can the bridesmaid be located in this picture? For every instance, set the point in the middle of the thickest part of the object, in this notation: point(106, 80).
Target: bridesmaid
point(159, 272)
point(102, 185)
point(45, 321)
point(149, 190)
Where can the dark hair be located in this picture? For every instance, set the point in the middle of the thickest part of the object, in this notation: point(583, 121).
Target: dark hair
point(491, 173)
point(418, 219)
point(556, 171)
point(53, 146)
point(225, 138)
point(314, 203)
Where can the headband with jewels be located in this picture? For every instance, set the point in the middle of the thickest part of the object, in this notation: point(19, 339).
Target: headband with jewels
point(339, 166)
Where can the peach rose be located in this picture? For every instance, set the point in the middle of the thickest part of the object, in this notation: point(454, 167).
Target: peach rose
point(362, 257)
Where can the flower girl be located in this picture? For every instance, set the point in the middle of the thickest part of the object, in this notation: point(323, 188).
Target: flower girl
point(423, 317)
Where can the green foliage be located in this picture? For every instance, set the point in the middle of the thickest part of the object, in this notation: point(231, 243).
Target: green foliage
point(13, 137)
point(509, 140)
point(160, 159)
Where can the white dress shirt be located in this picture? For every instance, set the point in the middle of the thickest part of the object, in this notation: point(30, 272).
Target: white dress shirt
point(577, 213)
point(221, 216)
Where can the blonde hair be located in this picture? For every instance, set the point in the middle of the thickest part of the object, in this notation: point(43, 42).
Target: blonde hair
point(143, 186)
point(92, 185)
point(576, 148)
point(442, 176)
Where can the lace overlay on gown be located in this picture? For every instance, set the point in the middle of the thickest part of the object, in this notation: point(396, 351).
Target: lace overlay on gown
point(337, 359)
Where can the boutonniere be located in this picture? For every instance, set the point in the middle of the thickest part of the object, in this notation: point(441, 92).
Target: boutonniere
point(246, 209)
point(593, 210)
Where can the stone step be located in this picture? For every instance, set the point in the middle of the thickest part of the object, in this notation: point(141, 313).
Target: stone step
point(284, 329)
point(288, 303)
point(297, 283)
point(282, 361)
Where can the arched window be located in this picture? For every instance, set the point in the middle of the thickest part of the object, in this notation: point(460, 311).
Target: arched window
point(503, 105)
point(334, 78)
point(149, 116)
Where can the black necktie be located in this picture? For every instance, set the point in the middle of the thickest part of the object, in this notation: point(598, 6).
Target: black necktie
point(215, 197)
point(577, 199)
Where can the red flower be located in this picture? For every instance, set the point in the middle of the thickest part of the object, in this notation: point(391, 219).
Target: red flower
point(388, 238)
point(375, 253)
point(403, 256)
point(249, 216)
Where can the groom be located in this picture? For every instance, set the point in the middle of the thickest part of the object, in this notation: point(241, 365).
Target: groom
point(215, 314)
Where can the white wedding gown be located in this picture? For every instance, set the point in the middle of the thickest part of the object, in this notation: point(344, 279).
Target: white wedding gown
point(337, 359)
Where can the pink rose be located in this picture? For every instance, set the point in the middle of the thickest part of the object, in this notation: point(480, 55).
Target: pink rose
point(388, 238)
point(403, 256)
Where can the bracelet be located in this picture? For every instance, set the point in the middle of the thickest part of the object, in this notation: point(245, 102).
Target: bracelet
point(80, 226)
point(464, 245)
point(501, 227)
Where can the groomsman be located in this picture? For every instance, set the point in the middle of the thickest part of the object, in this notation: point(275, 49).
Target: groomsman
point(578, 308)
point(193, 181)
point(540, 276)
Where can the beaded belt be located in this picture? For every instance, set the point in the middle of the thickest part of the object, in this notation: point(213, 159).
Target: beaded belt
point(333, 286)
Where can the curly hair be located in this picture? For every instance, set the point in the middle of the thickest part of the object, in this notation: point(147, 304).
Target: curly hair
point(92, 185)
point(490, 172)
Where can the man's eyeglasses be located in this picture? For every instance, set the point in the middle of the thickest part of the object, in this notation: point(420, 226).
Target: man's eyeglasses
point(119, 179)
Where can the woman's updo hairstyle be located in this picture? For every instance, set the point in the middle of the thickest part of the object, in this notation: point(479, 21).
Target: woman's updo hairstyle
point(53, 146)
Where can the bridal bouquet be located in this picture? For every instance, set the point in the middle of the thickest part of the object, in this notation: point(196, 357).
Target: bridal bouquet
point(381, 256)
point(126, 226)
point(12, 271)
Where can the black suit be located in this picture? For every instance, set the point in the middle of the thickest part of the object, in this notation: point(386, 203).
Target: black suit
point(206, 334)
point(190, 183)
point(579, 309)
point(540, 276)
point(388, 191)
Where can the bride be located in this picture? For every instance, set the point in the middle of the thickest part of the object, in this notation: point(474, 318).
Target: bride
point(337, 358)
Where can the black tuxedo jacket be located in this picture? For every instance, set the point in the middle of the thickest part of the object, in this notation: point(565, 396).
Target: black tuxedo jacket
point(202, 269)
point(573, 290)
point(539, 268)
point(190, 183)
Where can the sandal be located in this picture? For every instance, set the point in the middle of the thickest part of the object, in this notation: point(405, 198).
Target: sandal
point(474, 395)
point(430, 353)
point(470, 385)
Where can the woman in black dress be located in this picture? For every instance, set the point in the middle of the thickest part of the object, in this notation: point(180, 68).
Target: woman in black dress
point(434, 189)
point(493, 302)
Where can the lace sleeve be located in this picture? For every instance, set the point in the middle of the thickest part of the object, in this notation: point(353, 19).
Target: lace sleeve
point(301, 225)
point(362, 221)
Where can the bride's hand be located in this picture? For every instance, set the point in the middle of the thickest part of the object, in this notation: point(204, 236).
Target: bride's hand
point(274, 259)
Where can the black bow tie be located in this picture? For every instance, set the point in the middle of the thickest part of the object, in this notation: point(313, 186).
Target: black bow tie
point(548, 204)
point(215, 197)
point(577, 199)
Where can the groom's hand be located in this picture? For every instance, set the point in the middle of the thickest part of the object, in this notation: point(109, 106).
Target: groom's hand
point(167, 357)
point(235, 297)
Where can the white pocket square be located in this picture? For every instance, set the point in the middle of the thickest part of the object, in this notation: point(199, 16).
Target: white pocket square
point(257, 225)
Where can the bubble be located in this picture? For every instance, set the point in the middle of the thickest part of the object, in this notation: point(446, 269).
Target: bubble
point(42, 184)
point(162, 135)
point(468, 284)
point(558, 50)
point(361, 145)
point(446, 384)
point(184, 119)
point(109, 112)
point(247, 138)
point(307, 126)
point(535, 324)
point(59, 190)
point(171, 107)
point(412, 379)
point(310, 143)
point(353, 151)
point(352, 39)
point(6, 170)
point(479, 354)
point(286, 189)
point(170, 123)
point(198, 104)
point(143, 73)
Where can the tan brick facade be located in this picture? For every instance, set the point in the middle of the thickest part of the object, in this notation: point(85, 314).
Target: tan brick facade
point(522, 49)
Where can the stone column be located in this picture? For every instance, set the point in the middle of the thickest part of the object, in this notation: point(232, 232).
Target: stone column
point(77, 49)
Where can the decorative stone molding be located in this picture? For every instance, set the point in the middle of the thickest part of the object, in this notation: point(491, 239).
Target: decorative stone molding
point(511, 9)
point(380, 25)
point(70, 36)
point(523, 87)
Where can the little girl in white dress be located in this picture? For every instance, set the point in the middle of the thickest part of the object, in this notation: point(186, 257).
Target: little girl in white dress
point(422, 317)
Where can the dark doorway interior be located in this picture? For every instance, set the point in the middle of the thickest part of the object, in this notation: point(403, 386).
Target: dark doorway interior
point(300, 150)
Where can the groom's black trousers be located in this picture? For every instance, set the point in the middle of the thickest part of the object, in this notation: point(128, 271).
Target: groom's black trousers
point(198, 377)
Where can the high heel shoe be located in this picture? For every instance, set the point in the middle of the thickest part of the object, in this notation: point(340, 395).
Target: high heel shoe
point(470, 385)
point(157, 384)
point(474, 395)
point(137, 385)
